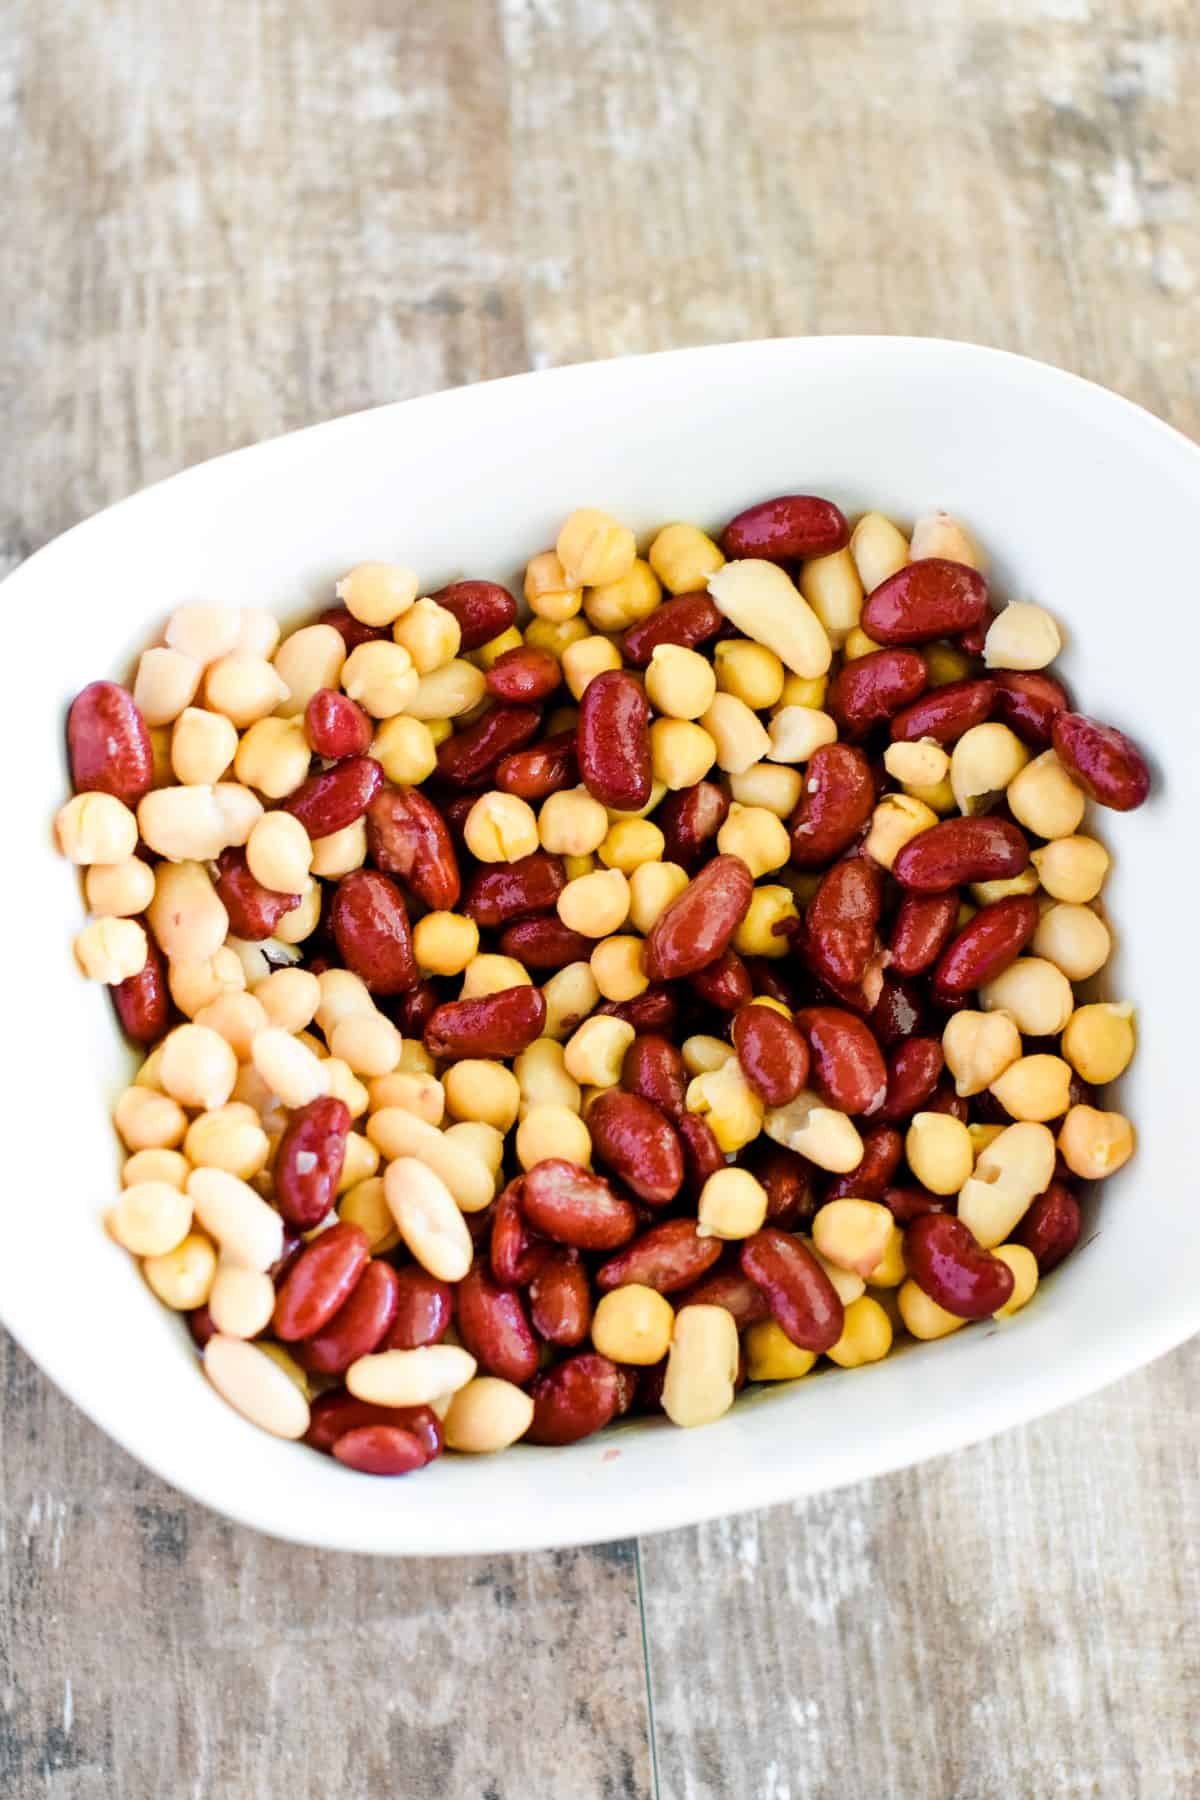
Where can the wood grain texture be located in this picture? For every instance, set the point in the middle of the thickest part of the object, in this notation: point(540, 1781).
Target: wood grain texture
point(229, 220)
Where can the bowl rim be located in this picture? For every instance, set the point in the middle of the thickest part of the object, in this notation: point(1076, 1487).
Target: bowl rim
point(1041, 1392)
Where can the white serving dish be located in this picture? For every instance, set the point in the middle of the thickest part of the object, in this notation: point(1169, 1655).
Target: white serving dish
point(1087, 504)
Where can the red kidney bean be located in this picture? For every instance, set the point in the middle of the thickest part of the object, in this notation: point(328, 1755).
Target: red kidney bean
point(883, 1147)
point(638, 1143)
point(320, 1281)
point(1108, 766)
point(108, 744)
point(927, 599)
point(702, 1155)
point(1051, 1226)
point(500, 893)
point(455, 814)
point(488, 1025)
point(560, 1301)
point(689, 620)
point(545, 943)
point(254, 910)
point(786, 529)
point(945, 1261)
point(483, 609)
point(908, 1203)
point(543, 769)
point(424, 1306)
point(143, 1001)
point(725, 983)
point(788, 1183)
point(900, 1011)
point(654, 1009)
point(573, 1206)
point(200, 1324)
point(923, 926)
point(731, 1288)
point(870, 690)
point(838, 799)
point(308, 1163)
point(1028, 702)
point(945, 1099)
point(773, 1055)
point(412, 1012)
point(358, 1327)
point(842, 919)
point(957, 851)
point(574, 1399)
point(293, 1244)
point(627, 1387)
point(336, 726)
point(666, 1258)
point(802, 1299)
point(351, 630)
point(648, 1398)
point(612, 741)
point(408, 837)
point(468, 758)
point(689, 820)
point(653, 1068)
point(371, 929)
point(973, 639)
point(986, 947)
point(515, 1256)
point(769, 981)
point(335, 1412)
point(913, 1070)
point(380, 1450)
point(524, 676)
point(494, 1327)
point(945, 713)
point(336, 797)
point(848, 1066)
point(698, 924)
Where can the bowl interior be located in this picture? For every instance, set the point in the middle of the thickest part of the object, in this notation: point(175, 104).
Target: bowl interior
point(1084, 502)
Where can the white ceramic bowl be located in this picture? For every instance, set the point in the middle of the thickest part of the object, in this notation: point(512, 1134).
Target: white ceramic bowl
point(1087, 504)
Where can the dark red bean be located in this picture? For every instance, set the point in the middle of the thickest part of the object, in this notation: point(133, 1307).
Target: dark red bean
point(351, 630)
point(945, 1261)
point(725, 983)
point(483, 609)
point(653, 1068)
point(560, 1302)
point(654, 1009)
point(689, 620)
point(370, 925)
point(913, 1070)
point(469, 757)
point(336, 726)
point(841, 923)
point(613, 741)
point(870, 690)
point(900, 1011)
point(945, 713)
point(1051, 1227)
point(667, 1257)
point(542, 769)
point(424, 1306)
point(320, 1281)
point(908, 1203)
point(254, 910)
point(411, 1012)
point(200, 1324)
point(514, 1253)
point(697, 925)
point(786, 529)
point(787, 1179)
point(494, 1327)
point(524, 676)
point(336, 797)
point(731, 1288)
point(702, 1155)
point(955, 852)
point(1028, 702)
point(883, 1147)
point(772, 1054)
point(108, 744)
point(802, 1299)
point(689, 820)
point(335, 1412)
point(308, 1163)
point(500, 893)
point(575, 1207)
point(838, 799)
point(1107, 765)
point(638, 1143)
point(574, 1399)
point(143, 1001)
point(380, 1450)
point(927, 599)
point(358, 1327)
point(923, 926)
point(408, 837)
point(488, 1025)
point(986, 947)
point(545, 943)
point(847, 1065)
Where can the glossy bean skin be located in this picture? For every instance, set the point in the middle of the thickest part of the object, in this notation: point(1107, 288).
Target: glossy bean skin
point(293, 1244)
point(786, 529)
point(488, 1025)
point(408, 837)
point(494, 1327)
point(143, 1001)
point(308, 1162)
point(254, 910)
point(380, 1450)
point(412, 1011)
point(770, 982)
point(336, 797)
point(900, 1011)
point(336, 726)
point(847, 1064)
point(688, 620)
point(320, 1281)
point(483, 609)
point(986, 947)
point(200, 1325)
point(944, 1259)
point(667, 1257)
point(958, 851)
point(370, 926)
point(638, 1143)
point(906, 1203)
point(913, 1071)
point(870, 690)
point(773, 1054)
point(798, 1292)
point(336, 1412)
point(946, 1099)
point(731, 1288)
point(697, 926)
point(883, 1147)
point(501, 893)
point(545, 943)
point(542, 769)
point(514, 1253)
point(838, 799)
point(358, 1327)
point(689, 820)
point(921, 929)
point(654, 1009)
point(841, 924)
point(572, 1206)
point(973, 639)
point(653, 1068)
point(560, 1301)
point(351, 630)
point(787, 1179)
point(574, 1399)
point(424, 1308)
point(467, 759)
point(1107, 765)
point(1028, 702)
point(1051, 1227)
point(108, 744)
point(524, 676)
point(613, 741)
point(945, 713)
point(927, 599)
point(702, 1155)
point(725, 983)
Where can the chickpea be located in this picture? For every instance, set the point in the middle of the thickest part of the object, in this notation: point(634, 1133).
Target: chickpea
point(804, 690)
point(308, 660)
point(978, 1047)
point(680, 683)
point(203, 631)
point(340, 851)
point(1094, 1143)
point(195, 985)
point(244, 689)
point(632, 1324)
point(377, 593)
point(730, 1105)
point(1098, 1042)
point(630, 843)
point(490, 974)
point(757, 836)
point(596, 904)
point(202, 746)
point(279, 853)
point(819, 1132)
point(367, 1042)
point(682, 753)
point(366, 1205)
point(983, 763)
point(1072, 868)
point(984, 893)
point(772, 1356)
point(733, 1205)
point(240, 809)
point(182, 1278)
point(616, 605)
point(228, 1137)
point(303, 920)
point(151, 1218)
point(111, 950)
point(482, 1140)
point(866, 1335)
point(853, 1234)
point(359, 1163)
point(616, 814)
point(770, 906)
point(382, 678)
point(596, 1051)
point(916, 765)
point(702, 1052)
point(477, 1089)
point(583, 660)
point(541, 1074)
point(412, 1092)
point(155, 1165)
point(405, 751)
point(939, 1152)
point(501, 828)
point(858, 644)
point(550, 594)
point(147, 1120)
point(570, 995)
point(572, 823)
point(895, 822)
point(430, 633)
point(652, 887)
point(238, 1018)
point(1035, 1088)
point(1044, 799)
point(198, 1067)
point(945, 663)
point(740, 736)
point(96, 828)
point(749, 671)
point(939, 534)
point(547, 1130)
point(119, 890)
point(879, 549)
point(683, 558)
point(890, 1271)
point(833, 588)
point(445, 942)
point(701, 1366)
point(594, 549)
point(616, 963)
point(1023, 1264)
point(448, 693)
point(1074, 938)
point(274, 756)
point(1036, 995)
point(341, 993)
point(1009, 1172)
point(343, 1083)
point(1023, 636)
point(924, 1318)
point(797, 731)
point(940, 797)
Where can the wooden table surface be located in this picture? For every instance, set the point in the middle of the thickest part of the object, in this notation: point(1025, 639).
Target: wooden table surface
point(233, 218)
